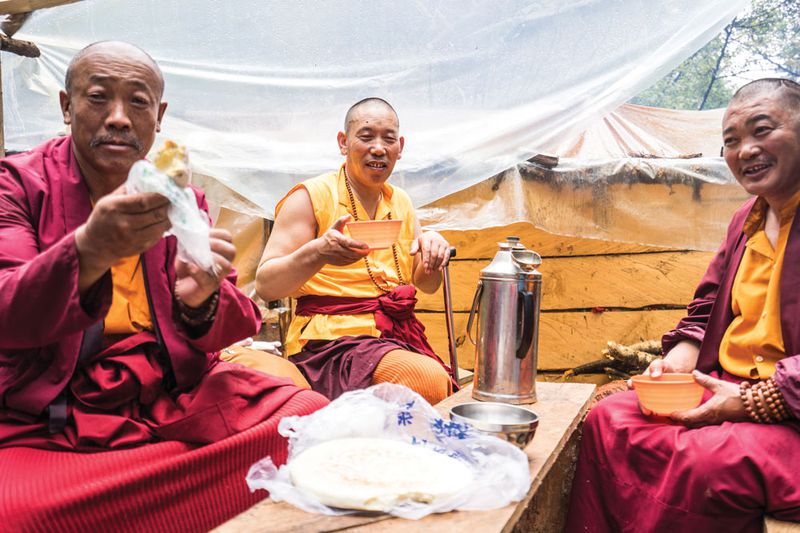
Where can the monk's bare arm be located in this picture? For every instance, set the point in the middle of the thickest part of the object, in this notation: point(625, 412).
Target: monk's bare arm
point(681, 358)
point(294, 254)
point(431, 252)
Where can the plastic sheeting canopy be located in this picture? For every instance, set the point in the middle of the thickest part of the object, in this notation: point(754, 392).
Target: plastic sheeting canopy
point(258, 90)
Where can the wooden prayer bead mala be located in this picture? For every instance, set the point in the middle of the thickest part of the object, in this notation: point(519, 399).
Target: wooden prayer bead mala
point(386, 289)
point(763, 402)
point(776, 400)
point(201, 315)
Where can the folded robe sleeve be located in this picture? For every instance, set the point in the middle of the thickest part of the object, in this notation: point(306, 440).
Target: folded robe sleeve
point(715, 281)
point(39, 300)
point(787, 377)
point(692, 327)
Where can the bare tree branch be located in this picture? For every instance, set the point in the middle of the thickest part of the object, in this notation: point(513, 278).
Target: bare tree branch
point(779, 66)
point(715, 71)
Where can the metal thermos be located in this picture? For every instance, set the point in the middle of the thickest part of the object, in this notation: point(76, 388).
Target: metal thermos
point(507, 303)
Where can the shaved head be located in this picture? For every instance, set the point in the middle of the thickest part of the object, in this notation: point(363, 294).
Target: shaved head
point(371, 142)
point(761, 139)
point(364, 105)
point(116, 49)
point(113, 106)
point(787, 90)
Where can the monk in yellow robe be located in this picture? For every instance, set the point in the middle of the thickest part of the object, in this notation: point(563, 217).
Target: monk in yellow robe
point(354, 323)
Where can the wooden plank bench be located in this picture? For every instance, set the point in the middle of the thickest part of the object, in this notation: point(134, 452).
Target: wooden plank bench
point(552, 455)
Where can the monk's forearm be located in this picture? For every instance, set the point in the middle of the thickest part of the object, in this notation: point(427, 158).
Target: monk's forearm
point(237, 317)
point(91, 264)
point(682, 357)
point(279, 277)
point(427, 283)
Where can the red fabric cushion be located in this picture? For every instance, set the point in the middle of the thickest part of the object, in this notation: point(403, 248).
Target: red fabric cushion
point(168, 486)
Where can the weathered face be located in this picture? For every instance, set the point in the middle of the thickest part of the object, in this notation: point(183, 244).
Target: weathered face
point(372, 144)
point(761, 141)
point(114, 110)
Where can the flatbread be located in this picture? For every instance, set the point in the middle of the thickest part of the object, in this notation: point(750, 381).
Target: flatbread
point(376, 474)
point(173, 161)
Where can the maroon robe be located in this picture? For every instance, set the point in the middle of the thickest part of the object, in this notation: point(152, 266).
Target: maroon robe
point(638, 473)
point(150, 387)
point(710, 313)
point(348, 363)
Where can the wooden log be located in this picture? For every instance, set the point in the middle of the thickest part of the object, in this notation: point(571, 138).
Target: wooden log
point(559, 377)
point(8, 7)
point(546, 160)
point(566, 339)
point(631, 207)
point(629, 280)
point(482, 243)
point(21, 48)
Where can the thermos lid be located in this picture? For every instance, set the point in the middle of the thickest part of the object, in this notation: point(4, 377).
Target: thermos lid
point(527, 260)
point(512, 262)
point(515, 244)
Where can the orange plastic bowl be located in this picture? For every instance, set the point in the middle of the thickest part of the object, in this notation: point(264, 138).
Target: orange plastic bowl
point(668, 393)
point(378, 234)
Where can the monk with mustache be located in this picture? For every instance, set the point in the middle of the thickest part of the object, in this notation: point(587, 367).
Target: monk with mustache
point(113, 399)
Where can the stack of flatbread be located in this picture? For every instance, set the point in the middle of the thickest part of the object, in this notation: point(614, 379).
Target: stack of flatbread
point(373, 474)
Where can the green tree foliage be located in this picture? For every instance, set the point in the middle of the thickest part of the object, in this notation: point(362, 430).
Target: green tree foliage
point(683, 88)
point(764, 40)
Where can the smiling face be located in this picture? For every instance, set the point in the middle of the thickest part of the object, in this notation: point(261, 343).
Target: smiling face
point(371, 143)
point(761, 139)
point(113, 107)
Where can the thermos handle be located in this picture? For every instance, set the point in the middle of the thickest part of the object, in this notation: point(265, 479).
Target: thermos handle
point(473, 310)
point(525, 340)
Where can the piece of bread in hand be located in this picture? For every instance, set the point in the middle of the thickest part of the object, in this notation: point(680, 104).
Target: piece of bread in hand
point(173, 160)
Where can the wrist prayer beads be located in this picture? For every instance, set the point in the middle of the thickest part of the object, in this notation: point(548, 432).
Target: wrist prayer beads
point(763, 402)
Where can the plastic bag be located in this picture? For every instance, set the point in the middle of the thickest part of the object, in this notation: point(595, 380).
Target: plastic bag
point(273, 347)
point(189, 223)
point(500, 470)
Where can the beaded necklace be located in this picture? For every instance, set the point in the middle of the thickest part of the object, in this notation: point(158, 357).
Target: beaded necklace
point(386, 289)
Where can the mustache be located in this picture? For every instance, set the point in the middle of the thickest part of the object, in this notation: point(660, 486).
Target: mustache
point(117, 139)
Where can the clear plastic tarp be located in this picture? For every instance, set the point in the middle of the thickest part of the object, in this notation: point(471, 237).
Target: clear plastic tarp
point(639, 131)
point(640, 175)
point(258, 90)
point(672, 203)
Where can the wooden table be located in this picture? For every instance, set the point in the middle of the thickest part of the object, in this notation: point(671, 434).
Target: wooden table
point(552, 454)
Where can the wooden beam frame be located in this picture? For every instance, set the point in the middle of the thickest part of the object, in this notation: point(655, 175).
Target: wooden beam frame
point(9, 7)
point(21, 48)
